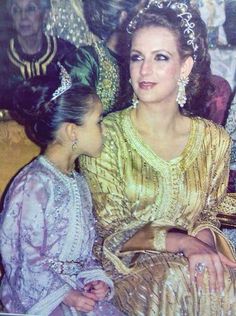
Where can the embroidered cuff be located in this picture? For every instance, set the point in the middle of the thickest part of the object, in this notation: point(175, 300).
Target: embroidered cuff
point(160, 240)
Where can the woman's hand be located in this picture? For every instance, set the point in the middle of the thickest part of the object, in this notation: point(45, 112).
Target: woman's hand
point(98, 288)
point(203, 257)
point(83, 302)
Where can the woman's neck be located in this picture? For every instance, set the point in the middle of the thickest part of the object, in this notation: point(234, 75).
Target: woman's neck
point(157, 120)
point(31, 45)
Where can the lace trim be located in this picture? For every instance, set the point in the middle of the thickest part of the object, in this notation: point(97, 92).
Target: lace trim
point(181, 162)
point(160, 240)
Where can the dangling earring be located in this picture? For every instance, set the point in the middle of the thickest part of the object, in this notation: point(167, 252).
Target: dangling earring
point(135, 101)
point(74, 145)
point(181, 96)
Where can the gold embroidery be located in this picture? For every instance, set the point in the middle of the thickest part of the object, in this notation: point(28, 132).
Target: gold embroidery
point(108, 81)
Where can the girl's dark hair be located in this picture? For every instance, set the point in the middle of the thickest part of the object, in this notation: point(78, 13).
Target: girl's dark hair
point(199, 88)
point(102, 16)
point(42, 117)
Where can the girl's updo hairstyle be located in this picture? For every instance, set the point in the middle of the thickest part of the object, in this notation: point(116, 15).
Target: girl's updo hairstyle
point(199, 88)
point(41, 116)
point(102, 16)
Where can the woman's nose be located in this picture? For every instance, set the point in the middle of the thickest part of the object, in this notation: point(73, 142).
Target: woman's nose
point(146, 67)
point(23, 14)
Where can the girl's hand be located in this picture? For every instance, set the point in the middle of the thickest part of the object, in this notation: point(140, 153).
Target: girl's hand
point(83, 302)
point(99, 288)
point(204, 258)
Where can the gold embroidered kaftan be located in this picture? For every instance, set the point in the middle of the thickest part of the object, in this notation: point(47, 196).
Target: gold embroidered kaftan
point(133, 188)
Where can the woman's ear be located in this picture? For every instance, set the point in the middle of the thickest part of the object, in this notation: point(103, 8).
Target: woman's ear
point(187, 67)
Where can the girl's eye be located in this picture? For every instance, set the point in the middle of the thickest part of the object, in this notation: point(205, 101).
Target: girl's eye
point(161, 57)
point(135, 57)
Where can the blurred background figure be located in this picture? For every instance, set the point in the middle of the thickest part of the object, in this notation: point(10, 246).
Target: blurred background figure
point(29, 52)
point(103, 65)
point(66, 20)
point(213, 14)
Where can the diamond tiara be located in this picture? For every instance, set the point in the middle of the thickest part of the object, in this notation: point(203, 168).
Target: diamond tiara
point(66, 82)
point(181, 11)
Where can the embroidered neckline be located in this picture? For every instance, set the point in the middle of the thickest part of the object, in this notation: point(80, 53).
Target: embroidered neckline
point(37, 67)
point(108, 81)
point(181, 162)
point(51, 165)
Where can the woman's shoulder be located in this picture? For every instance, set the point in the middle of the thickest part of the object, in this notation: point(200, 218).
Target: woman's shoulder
point(116, 118)
point(212, 129)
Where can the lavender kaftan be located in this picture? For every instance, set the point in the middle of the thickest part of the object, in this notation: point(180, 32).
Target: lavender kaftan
point(47, 225)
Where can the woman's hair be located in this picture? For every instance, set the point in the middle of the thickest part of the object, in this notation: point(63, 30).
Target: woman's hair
point(42, 116)
point(102, 16)
point(191, 41)
point(44, 4)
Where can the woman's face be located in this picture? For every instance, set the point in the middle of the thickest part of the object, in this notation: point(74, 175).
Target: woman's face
point(28, 17)
point(155, 65)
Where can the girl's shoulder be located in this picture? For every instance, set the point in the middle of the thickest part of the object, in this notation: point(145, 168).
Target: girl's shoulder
point(32, 172)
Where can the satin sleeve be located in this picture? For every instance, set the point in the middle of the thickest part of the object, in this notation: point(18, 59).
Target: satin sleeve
point(218, 201)
point(26, 241)
point(83, 67)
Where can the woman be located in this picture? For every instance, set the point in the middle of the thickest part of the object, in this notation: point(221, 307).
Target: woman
point(29, 53)
point(102, 65)
point(162, 177)
point(47, 227)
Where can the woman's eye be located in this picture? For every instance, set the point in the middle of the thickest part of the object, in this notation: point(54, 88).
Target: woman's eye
point(15, 10)
point(31, 9)
point(161, 57)
point(135, 57)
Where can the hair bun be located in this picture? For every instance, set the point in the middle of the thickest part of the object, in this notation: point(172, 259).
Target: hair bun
point(32, 98)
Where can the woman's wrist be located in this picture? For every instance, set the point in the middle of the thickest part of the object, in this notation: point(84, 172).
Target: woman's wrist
point(177, 242)
point(206, 236)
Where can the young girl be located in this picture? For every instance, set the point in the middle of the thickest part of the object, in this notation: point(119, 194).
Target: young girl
point(47, 226)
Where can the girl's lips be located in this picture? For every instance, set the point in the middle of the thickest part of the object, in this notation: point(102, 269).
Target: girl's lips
point(146, 85)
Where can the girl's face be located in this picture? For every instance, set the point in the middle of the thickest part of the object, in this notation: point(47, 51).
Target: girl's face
point(90, 134)
point(28, 17)
point(155, 65)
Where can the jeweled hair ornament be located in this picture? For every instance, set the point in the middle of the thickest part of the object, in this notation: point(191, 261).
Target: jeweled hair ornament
point(66, 82)
point(181, 10)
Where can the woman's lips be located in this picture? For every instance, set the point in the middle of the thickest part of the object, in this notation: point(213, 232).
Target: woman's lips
point(146, 85)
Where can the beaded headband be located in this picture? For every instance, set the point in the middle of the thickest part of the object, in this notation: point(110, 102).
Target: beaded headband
point(181, 10)
point(65, 82)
